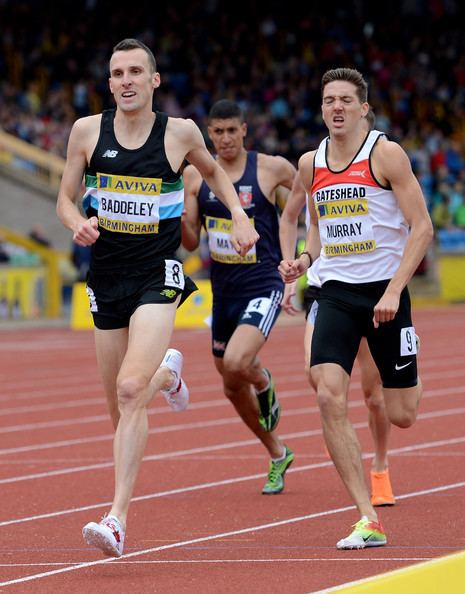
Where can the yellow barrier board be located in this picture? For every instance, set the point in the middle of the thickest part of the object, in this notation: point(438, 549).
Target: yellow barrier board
point(452, 276)
point(22, 292)
point(81, 318)
point(194, 312)
point(191, 314)
point(50, 260)
point(445, 575)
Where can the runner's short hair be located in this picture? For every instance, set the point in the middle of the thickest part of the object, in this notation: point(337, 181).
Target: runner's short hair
point(129, 44)
point(224, 110)
point(349, 75)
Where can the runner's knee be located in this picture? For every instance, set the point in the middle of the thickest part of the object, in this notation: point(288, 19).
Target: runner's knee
point(332, 404)
point(404, 419)
point(402, 406)
point(374, 400)
point(129, 389)
point(236, 363)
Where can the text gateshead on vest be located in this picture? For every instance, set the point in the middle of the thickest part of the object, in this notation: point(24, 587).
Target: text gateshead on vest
point(346, 193)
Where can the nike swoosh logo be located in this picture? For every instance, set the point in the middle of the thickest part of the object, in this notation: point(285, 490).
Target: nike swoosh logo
point(399, 367)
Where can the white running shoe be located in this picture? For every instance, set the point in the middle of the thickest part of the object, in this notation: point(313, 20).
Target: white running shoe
point(108, 536)
point(366, 533)
point(178, 395)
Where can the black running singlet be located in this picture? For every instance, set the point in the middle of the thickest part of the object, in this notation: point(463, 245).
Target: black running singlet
point(137, 198)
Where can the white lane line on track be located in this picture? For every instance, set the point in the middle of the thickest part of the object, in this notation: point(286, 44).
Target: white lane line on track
point(221, 402)
point(206, 561)
point(211, 537)
point(193, 426)
point(224, 482)
point(28, 391)
point(178, 453)
point(64, 387)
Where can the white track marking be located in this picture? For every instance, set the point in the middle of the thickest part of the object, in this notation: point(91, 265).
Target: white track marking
point(211, 537)
point(209, 485)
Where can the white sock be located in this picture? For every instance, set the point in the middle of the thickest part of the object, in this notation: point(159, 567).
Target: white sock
point(267, 385)
point(174, 383)
point(281, 458)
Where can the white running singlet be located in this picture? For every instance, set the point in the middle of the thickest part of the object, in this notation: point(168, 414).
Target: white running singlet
point(362, 229)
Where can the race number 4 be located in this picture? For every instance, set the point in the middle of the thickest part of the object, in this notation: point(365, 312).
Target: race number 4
point(260, 305)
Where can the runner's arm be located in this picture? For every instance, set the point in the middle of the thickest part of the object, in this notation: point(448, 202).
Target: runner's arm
point(291, 270)
point(85, 231)
point(190, 221)
point(288, 226)
point(393, 165)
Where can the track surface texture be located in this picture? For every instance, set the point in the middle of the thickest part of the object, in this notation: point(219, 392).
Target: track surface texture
point(198, 522)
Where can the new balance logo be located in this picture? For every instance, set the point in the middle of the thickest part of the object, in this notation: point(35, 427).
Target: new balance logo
point(357, 173)
point(170, 293)
point(399, 367)
point(110, 154)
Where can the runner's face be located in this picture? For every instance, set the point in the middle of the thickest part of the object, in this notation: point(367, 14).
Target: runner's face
point(341, 108)
point(131, 79)
point(227, 137)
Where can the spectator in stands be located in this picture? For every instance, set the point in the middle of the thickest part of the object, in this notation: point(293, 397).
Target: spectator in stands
point(417, 81)
point(80, 257)
point(441, 215)
point(37, 233)
point(459, 216)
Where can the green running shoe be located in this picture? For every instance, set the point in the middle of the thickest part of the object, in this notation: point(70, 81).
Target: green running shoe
point(365, 534)
point(270, 409)
point(275, 482)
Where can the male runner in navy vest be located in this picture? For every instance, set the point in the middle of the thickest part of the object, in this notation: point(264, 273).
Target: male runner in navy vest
point(247, 290)
point(131, 158)
point(370, 215)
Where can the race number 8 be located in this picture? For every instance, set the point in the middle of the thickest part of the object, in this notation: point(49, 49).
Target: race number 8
point(174, 276)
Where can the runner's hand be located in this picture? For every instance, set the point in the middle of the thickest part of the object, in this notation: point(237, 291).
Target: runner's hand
point(243, 236)
point(289, 294)
point(290, 270)
point(86, 232)
point(386, 308)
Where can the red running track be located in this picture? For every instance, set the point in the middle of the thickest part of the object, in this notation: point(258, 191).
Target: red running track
point(198, 522)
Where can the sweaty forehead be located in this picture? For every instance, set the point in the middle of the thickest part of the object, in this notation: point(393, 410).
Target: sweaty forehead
point(340, 88)
point(129, 58)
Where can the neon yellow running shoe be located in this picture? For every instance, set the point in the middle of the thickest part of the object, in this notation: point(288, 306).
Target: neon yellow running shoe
point(366, 533)
point(275, 482)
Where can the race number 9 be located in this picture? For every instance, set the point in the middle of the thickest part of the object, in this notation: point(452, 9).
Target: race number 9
point(408, 342)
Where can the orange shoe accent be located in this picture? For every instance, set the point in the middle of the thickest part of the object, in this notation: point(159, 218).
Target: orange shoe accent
point(381, 490)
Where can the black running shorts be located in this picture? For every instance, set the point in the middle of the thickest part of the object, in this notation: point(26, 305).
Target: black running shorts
point(114, 297)
point(345, 314)
point(310, 295)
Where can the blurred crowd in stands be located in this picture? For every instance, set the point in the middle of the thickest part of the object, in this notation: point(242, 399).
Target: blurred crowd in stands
point(267, 56)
